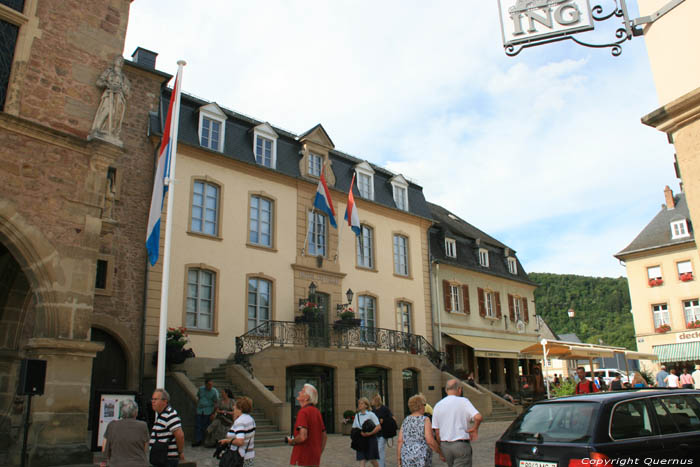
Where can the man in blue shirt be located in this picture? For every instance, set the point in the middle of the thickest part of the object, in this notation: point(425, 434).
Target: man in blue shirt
point(207, 397)
point(661, 376)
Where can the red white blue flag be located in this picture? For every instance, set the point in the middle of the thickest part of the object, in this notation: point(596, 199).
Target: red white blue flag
point(165, 152)
point(351, 214)
point(323, 201)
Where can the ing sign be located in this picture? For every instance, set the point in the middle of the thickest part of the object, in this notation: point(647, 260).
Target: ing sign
point(528, 20)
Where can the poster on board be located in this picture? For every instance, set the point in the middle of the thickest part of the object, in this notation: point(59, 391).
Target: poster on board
point(109, 410)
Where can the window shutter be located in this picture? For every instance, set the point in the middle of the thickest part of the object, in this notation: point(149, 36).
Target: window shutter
point(511, 307)
point(447, 297)
point(482, 302)
point(465, 295)
point(498, 304)
point(525, 313)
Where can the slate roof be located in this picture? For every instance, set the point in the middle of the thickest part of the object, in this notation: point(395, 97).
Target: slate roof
point(238, 145)
point(657, 233)
point(465, 236)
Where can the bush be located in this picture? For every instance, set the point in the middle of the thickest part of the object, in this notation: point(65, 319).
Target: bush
point(566, 388)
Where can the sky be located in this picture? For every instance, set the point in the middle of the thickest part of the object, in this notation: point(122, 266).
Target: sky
point(544, 151)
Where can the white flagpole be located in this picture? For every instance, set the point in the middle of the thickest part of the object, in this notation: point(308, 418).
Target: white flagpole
point(163, 326)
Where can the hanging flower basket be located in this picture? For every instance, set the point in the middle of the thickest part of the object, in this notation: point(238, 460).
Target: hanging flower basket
point(175, 352)
point(663, 329)
point(310, 313)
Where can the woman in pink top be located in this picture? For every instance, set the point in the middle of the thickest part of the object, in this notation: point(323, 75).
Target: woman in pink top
point(686, 380)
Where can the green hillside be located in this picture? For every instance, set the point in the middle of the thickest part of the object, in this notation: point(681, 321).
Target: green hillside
point(602, 306)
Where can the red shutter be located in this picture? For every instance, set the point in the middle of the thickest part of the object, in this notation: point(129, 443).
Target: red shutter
point(482, 303)
point(526, 317)
point(511, 307)
point(447, 296)
point(498, 304)
point(465, 295)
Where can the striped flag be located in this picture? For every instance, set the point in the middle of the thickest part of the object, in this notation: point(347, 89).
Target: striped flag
point(165, 153)
point(323, 201)
point(351, 214)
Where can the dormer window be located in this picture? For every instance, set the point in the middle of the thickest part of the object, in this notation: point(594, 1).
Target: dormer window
point(484, 257)
point(365, 180)
point(512, 265)
point(212, 127)
point(450, 248)
point(315, 164)
point(265, 145)
point(400, 190)
point(679, 229)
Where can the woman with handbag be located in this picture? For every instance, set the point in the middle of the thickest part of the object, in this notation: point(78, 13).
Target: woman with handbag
point(240, 437)
point(369, 425)
point(221, 419)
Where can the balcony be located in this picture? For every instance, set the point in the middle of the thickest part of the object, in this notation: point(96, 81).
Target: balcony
point(320, 335)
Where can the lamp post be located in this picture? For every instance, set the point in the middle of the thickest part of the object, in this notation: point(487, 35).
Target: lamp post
point(543, 342)
point(311, 297)
point(341, 307)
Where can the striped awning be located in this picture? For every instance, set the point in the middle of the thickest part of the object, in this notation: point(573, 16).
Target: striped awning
point(678, 352)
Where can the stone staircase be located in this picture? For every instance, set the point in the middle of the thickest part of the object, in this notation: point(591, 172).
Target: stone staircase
point(266, 433)
point(501, 413)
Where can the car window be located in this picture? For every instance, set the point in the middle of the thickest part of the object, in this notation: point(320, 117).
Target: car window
point(564, 422)
point(666, 423)
point(630, 420)
point(684, 410)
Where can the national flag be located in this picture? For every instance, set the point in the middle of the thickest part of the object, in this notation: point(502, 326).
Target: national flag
point(162, 173)
point(323, 201)
point(351, 214)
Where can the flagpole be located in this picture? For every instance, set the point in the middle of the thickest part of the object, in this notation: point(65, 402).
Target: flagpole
point(163, 325)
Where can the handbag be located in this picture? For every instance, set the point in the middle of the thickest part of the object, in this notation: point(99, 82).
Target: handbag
point(159, 454)
point(232, 458)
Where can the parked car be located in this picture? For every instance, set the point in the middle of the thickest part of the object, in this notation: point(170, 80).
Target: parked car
point(608, 374)
point(584, 430)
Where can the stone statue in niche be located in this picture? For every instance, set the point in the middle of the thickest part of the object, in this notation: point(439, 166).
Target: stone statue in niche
point(110, 114)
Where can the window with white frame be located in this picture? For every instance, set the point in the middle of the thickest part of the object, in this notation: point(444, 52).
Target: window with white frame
point(484, 257)
point(684, 267)
point(404, 309)
point(265, 145)
point(317, 234)
point(512, 265)
point(691, 308)
point(517, 306)
point(661, 315)
point(490, 304)
point(679, 229)
point(205, 208)
point(364, 247)
point(400, 191)
point(260, 221)
point(315, 164)
point(654, 272)
point(365, 180)
point(200, 299)
point(400, 255)
point(212, 127)
point(455, 298)
point(366, 307)
point(450, 248)
point(259, 300)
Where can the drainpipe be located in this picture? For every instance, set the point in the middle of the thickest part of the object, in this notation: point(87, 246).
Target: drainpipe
point(436, 304)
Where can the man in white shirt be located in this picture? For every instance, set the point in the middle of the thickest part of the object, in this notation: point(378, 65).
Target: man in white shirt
point(451, 419)
point(696, 377)
point(672, 380)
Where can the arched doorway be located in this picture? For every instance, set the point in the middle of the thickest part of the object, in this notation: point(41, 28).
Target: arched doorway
point(109, 369)
point(321, 378)
point(370, 380)
point(410, 388)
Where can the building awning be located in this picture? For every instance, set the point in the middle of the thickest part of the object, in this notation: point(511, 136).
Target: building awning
point(678, 352)
point(632, 355)
point(571, 350)
point(493, 347)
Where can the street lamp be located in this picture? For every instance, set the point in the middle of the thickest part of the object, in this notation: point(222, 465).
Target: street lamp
point(311, 297)
point(343, 306)
point(543, 342)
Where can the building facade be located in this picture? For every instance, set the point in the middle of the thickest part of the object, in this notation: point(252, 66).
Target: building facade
point(248, 244)
point(661, 267)
point(483, 303)
point(74, 193)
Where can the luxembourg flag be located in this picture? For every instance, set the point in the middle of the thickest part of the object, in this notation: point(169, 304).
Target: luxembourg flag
point(323, 201)
point(351, 211)
point(167, 148)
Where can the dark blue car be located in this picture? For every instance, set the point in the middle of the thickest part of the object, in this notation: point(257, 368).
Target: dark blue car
point(646, 427)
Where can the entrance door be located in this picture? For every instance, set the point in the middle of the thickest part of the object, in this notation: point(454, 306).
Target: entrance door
point(370, 381)
point(318, 332)
point(322, 379)
point(410, 388)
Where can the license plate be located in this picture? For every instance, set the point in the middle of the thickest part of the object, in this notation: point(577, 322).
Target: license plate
point(536, 464)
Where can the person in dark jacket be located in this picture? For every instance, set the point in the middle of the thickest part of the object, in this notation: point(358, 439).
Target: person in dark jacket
point(616, 384)
point(386, 419)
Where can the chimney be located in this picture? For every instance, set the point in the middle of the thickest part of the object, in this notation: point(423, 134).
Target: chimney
point(668, 193)
point(145, 58)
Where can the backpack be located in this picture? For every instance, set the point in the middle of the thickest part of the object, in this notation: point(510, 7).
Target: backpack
point(389, 428)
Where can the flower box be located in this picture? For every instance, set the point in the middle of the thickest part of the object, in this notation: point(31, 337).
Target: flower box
point(341, 324)
point(686, 276)
point(662, 329)
point(693, 325)
point(655, 282)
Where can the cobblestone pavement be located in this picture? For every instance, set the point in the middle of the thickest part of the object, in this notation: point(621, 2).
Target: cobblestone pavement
point(339, 454)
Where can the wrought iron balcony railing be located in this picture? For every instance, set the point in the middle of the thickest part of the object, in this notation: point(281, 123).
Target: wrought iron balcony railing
point(290, 334)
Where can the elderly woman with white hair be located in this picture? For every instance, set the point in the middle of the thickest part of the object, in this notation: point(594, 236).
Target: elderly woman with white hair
point(126, 440)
